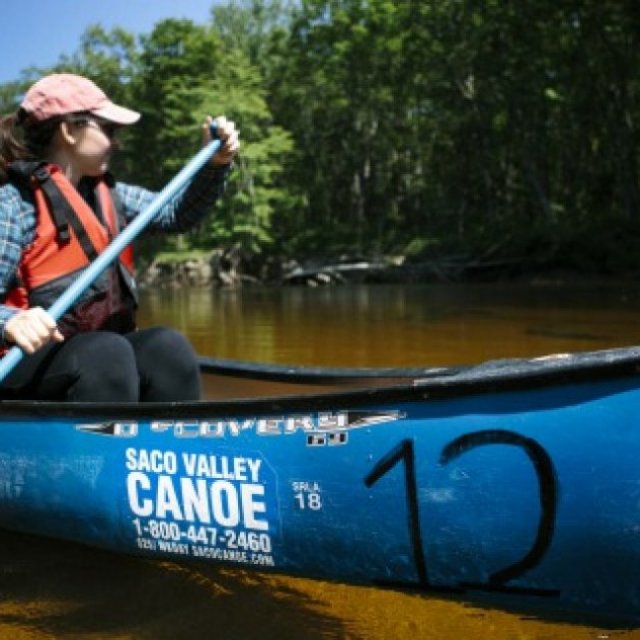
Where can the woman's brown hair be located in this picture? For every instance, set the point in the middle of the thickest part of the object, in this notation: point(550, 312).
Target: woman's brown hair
point(23, 139)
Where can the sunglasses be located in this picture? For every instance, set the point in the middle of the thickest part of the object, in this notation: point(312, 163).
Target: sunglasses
point(110, 129)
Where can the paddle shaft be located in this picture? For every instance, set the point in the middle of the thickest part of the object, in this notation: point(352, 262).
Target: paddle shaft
point(119, 243)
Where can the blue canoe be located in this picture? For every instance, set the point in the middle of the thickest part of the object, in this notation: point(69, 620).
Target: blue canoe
point(513, 482)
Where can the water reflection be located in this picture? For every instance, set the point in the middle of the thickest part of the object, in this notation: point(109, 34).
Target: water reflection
point(399, 325)
point(58, 590)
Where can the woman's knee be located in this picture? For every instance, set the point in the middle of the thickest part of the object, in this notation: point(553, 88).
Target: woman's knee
point(102, 350)
point(167, 364)
point(105, 366)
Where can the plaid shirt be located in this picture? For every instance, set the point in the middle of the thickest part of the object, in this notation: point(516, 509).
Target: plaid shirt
point(185, 211)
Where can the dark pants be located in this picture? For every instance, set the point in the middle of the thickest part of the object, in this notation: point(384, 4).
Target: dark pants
point(150, 365)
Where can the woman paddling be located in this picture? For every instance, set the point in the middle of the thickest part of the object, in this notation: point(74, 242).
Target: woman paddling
point(59, 209)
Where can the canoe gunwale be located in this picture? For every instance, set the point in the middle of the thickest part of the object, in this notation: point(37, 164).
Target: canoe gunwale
point(491, 377)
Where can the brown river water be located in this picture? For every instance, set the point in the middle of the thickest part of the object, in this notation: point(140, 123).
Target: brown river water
point(51, 589)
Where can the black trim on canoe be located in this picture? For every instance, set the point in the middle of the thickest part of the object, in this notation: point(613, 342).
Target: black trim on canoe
point(491, 377)
point(302, 374)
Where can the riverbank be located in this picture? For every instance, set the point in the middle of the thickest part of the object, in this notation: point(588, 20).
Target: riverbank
point(230, 269)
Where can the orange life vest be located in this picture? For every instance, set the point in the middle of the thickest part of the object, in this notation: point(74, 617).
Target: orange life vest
point(68, 236)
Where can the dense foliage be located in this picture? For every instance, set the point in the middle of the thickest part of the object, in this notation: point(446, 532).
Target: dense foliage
point(420, 127)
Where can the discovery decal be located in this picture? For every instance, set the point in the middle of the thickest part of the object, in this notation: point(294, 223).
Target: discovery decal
point(320, 429)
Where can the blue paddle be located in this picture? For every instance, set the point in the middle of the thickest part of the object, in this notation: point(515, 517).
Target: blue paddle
point(128, 235)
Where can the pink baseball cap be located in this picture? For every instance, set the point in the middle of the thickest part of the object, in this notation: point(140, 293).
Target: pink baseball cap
point(63, 93)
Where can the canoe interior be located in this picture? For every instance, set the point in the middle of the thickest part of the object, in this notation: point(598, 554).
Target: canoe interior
point(221, 387)
point(228, 379)
point(225, 380)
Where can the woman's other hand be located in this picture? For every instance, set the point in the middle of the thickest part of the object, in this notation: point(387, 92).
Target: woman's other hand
point(228, 135)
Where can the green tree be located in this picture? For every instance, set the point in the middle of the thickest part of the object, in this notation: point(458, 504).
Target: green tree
point(184, 75)
point(445, 126)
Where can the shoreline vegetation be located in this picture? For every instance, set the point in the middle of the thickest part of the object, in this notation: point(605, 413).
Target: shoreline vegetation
point(228, 269)
point(387, 141)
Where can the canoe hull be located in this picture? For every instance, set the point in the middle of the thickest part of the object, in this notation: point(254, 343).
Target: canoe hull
point(530, 494)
